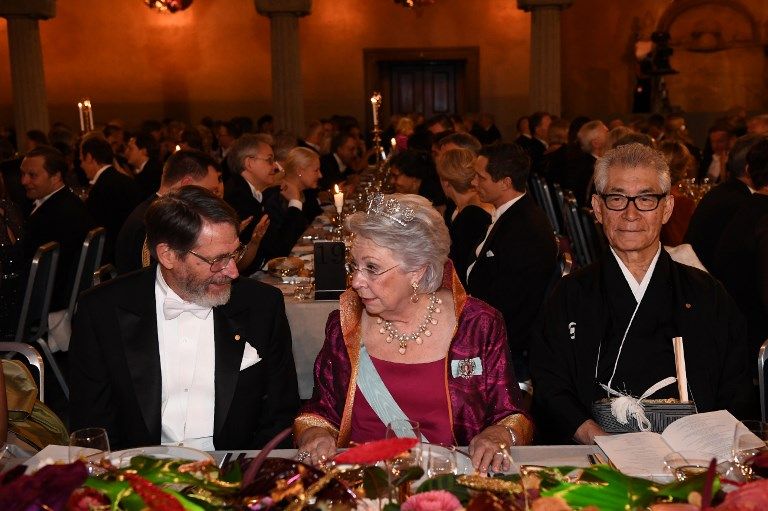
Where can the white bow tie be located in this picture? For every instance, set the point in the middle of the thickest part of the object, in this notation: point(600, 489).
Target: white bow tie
point(172, 309)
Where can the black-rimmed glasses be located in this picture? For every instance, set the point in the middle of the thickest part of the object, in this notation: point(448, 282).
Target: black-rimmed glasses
point(644, 202)
point(221, 262)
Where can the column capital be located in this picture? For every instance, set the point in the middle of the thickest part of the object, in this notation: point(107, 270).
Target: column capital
point(271, 8)
point(36, 9)
point(531, 5)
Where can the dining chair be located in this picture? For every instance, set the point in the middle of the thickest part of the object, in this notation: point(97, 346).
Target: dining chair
point(547, 203)
point(33, 358)
point(89, 262)
point(104, 273)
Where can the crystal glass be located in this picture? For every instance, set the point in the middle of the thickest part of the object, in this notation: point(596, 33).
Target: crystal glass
point(749, 439)
point(440, 459)
point(685, 464)
point(90, 445)
point(399, 464)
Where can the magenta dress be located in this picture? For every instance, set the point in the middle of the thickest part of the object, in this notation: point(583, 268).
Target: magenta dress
point(486, 395)
point(428, 406)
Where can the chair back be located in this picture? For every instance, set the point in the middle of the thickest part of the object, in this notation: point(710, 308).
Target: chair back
point(761, 358)
point(33, 358)
point(104, 273)
point(575, 229)
point(548, 204)
point(90, 259)
point(33, 320)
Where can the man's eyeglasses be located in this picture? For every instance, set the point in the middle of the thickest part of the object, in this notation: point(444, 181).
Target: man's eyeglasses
point(366, 272)
point(269, 159)
point(645, 202)
point(221, 262)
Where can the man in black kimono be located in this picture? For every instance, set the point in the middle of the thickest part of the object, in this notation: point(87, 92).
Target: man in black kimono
point(612, 323)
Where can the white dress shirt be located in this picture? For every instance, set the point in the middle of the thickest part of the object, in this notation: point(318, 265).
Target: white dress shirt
point(39, 202)
point(342, 165)
point(494, 217)
point(98, 174)
point(187, 366)
point(638, 288)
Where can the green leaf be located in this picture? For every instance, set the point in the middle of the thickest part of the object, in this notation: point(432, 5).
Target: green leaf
point(681, 489)
point(448, 483)
point(233, 475)
point(409, 474)
point(391, 507)
point(375, 483)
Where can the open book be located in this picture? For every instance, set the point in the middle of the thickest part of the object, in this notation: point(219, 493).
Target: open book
point(642, 454)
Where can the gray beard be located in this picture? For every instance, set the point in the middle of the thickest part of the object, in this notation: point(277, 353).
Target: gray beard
point(198, 294)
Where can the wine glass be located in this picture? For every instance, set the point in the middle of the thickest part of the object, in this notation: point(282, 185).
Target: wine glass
point(397, 466)
point(441, 460)
point(685, 464)
point(749, 439)
point(90, 445)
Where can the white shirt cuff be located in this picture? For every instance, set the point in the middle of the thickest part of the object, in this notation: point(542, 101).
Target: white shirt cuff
point(293, 203)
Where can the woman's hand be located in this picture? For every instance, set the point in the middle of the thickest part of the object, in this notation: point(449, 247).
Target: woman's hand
point(487, 449)
point(318, 444)
point(260, 229)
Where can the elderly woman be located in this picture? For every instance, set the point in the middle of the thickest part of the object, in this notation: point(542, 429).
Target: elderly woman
point(471, 218)
point(408, 342)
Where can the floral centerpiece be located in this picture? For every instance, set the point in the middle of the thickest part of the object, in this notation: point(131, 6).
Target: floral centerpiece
point(355, 480)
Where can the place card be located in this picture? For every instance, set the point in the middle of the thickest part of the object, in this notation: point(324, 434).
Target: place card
point(330, 271)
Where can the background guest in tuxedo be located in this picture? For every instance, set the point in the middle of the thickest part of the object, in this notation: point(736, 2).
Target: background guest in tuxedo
point(517, 260)
point(414, 172)
point(313, 138)
point(143, 155)
point(58, 215)
point(184, 167)
point(741, 257)
point(716, 209)
point(536, 146)
point(337, 166)
point(471, 217)
point(237, 387)
point(254, 169)
point(112, 196)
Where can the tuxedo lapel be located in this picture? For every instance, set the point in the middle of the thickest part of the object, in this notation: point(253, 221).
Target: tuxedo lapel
point(138, 328)
point(229, 322)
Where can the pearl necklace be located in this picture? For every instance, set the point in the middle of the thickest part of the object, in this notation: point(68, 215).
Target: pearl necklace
point(393, 333)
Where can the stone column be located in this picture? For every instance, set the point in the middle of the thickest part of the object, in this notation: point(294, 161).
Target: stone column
point(30, 103)
point(287, 95)
point(545, 88)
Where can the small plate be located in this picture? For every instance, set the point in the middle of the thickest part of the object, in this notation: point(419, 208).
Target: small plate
point(122, 458)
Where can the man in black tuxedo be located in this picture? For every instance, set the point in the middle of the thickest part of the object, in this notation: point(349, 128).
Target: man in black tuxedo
point(516, 261)
point(184, 353)
point(337, 165)
point(184, 167)
point(720, 204)
point(112, 196)
point(536, 146)
point(143, 155)
point(57, 215)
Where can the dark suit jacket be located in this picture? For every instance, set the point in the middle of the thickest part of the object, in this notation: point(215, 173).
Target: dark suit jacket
point(110, 201)
point(11, 174)
point(515, 267)
point(115, 377)
point(329, 167)
point(130, 240)
point(238, 194)
point(713, 213)
point(148, 180)
point(62, 218)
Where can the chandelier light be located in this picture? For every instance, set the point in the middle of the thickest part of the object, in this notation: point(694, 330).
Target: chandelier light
point(168, 6)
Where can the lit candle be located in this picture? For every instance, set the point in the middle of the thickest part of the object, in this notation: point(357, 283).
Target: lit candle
point(178, 148)
point(80, 111)
point(338, 198)
point(375, 108)
point(87, 103)
point(393, 142)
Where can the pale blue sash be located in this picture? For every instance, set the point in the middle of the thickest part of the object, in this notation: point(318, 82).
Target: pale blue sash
point(376, 393)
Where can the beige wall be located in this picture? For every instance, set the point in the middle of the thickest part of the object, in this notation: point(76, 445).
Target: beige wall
point(215, 60)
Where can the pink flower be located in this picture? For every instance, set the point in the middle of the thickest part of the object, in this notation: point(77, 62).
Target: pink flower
point(437, 500)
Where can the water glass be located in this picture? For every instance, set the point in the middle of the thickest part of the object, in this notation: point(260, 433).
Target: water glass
point(441, 460)
point(303, 291)
point(749, 439)
point(399, 464)
point(90, 445)
point(685, 464)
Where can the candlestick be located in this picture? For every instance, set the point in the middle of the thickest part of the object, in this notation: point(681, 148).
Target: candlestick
point(87, 103)
point(682, 379)
point(338, 199)
point(375, 105)
point(178, 148)
point(80, 111)
point(393, 142)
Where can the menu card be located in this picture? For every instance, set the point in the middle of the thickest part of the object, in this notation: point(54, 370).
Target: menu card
point(330, 270)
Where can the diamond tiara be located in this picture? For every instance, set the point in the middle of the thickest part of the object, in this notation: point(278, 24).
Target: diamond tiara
point(390, 208)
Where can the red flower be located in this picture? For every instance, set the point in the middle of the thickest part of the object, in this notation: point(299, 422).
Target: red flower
point(750, 497)
point(378, 450)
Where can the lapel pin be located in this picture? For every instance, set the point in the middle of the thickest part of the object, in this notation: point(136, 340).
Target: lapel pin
point(237, 337)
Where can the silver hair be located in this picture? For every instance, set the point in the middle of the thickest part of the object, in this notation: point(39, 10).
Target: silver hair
point(587, 134)
point(632, 156)
point(243, 147)
point(421, 243)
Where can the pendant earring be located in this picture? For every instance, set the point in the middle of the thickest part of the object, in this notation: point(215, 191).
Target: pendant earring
point(415, 296)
